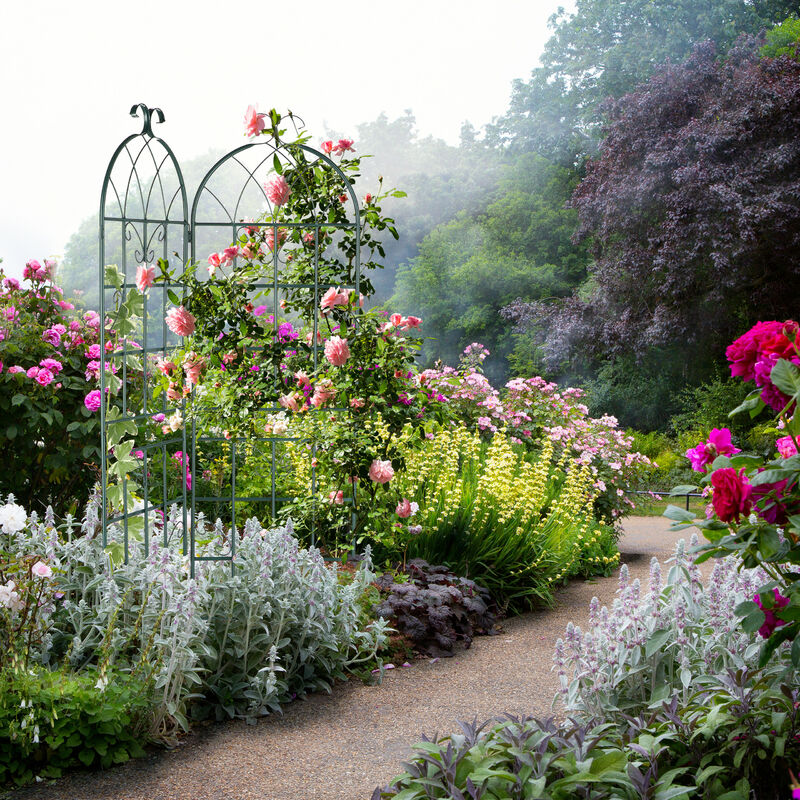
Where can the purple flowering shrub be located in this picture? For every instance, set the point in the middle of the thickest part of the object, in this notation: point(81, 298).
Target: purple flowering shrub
point(49, 368)
point(529, 410)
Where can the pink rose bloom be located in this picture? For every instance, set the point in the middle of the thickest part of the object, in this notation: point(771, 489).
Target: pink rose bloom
point(174, 392)
point(337, 351)
point(41, 570)
point(251, 251)
point(166, 367)
point(64, 305)
point(15, 369)
point(44, 377)
point(51, 364)
point(11, 313)
point(259, 310)
point(413, 322)
point(330, 299)
point(93, 352)
point(180, 321)
point(270, 238)
point(278, 190)
point(214, 263)
point(771, 621)
point(718, 444)
point(11, 284)
point(93, 400)
point(336, 498)
point(323, 392)
point(32, 372)
point(227, 255)
point(732, 496)
point(230, 357)
point(356, 402)
point(289, 402)
point(145, 277)
point(786, 447)
point(52, 336)
point(403, 509)
point(381, 471)
point(396, 320)
point(326, 147)
point(193, 366)
point(253, 122)
point(342, 146)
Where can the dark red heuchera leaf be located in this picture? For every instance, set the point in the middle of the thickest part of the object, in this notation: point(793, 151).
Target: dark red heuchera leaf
point(692, 210)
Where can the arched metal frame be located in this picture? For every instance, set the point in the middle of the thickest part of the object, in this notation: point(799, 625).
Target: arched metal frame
point(170, 224)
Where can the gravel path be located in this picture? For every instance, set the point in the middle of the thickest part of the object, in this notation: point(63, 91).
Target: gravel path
point(340, 746)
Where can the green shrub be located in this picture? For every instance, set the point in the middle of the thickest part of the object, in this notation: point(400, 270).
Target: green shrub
point(51, 721)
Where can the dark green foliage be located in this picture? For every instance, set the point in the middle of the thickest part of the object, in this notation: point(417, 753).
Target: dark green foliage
point(77, 724)
point(435, 609)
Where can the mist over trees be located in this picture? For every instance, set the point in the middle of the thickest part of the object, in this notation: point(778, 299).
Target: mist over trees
point(635, 207)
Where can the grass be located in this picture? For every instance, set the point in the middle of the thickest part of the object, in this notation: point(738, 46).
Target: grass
point(647, 507)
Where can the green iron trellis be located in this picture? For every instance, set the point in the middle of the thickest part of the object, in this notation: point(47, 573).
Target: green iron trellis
point(144, 210)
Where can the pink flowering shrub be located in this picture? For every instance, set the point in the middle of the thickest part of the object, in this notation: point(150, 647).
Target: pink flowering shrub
point(49, 370)
point(754, 508)
point(530, 409)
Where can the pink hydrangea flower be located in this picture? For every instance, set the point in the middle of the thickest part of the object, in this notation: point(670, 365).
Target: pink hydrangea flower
point(93, 400)
point(278, 190)
point(145, 277)
point(253, 122)
point(381, 471)
point(180, 321)
point(337, 351)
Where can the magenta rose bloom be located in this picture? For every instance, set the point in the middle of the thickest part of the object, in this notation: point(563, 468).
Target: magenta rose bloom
point(732, 494)
point(771, 622)
point(746, 350)
point(718, 444)
point(93, 400)
point(786, 447)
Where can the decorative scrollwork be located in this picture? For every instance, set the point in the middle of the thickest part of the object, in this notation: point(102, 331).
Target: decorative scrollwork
point(147, 115)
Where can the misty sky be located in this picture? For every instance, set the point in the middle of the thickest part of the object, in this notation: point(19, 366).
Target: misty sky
point(71, 71)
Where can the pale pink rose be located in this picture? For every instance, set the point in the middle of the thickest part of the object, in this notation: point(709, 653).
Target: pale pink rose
point(41, 570)
point(396, 320)
point(166, 367)
point(342, 146)
point(15, 369)
point(180, 321)
point(413, 322)
point(323, 392)
point(326, 147)
point(329, 299)
point(337, 350)
point(145, 276)
point(253, 122)
point(193, 366)
point(289, 401)
point(381, 471)
point(251, 251)
point(214, 263)
point(230, 357)
point(301, 378)
point(356, 402)
point(227, 255)
point(278, 190)
point(270, 238)
point(403, 509)
point(786, 447)
point(174, 392)
point(336, 498)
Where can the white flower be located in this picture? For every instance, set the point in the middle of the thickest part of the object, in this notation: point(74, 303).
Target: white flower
point(175, 421)
point(12, 518)
point(101, 684)
point(9, 597)
point(414, 508)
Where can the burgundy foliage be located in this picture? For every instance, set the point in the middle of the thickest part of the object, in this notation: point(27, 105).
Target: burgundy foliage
point(692, 210)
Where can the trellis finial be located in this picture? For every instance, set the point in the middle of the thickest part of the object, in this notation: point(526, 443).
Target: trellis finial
point(147, 113)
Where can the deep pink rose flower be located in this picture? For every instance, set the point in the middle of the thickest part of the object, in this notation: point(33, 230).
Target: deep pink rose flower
point(52, 336)
point(93, 400)
point(771, 622)
point(381, 471)
point(403, 509)
point(145, 276)
point(745, 351)
point(278, 190)
point(326, 147)
point(732, 494)
point(337, 350)
point(718, 444)
point(50, 363)
point(44, 377)
point(180, 321)
point(786, 447)
point(772, 505)
point(253, 121)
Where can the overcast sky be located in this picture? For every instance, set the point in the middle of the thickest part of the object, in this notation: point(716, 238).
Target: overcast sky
point(71, 71)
